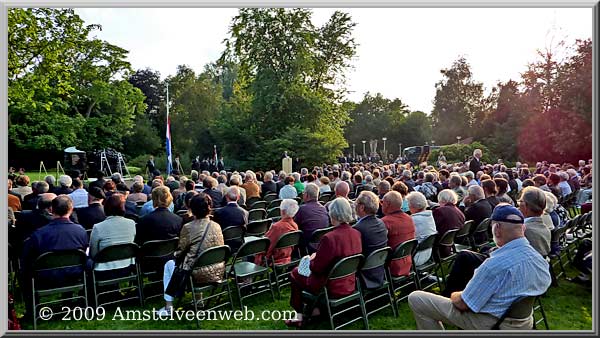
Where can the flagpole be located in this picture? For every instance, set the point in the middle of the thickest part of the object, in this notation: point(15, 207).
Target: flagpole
point(168, 136)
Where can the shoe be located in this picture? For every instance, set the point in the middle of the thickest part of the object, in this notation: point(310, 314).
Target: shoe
point(579, 280)
point(163, 312)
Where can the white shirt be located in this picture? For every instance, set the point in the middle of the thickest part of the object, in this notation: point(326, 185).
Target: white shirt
point(79, 198)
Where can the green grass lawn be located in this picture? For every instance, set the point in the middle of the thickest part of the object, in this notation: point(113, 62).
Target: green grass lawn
point(567, 307)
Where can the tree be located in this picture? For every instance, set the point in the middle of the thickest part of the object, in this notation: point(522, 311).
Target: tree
point(575, 81)
point(289, 81)
point(458, 100)
point(64, 87)
point(148, 81)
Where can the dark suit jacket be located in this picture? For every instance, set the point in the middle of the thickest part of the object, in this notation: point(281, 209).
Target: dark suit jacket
point(374, 236)
point(478, 211)
point(231, 215)
point(446, 218)
point(30, 201)
point(158, 225)
point(62, 191)
point(475, 165)
point(269, 187)
point(97, 183)
point(90, 215)
point(59, 234)
point(216, 196)
point(493, 201)
point(342, 241)
point(280, 185)
point(30, 220)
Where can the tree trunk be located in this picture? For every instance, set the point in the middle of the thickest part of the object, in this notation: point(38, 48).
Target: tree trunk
point(89, 110)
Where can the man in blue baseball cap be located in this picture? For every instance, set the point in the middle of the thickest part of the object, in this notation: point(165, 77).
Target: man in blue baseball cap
point(512, 271)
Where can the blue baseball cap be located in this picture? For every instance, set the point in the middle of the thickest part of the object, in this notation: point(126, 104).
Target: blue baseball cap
point(505, 212)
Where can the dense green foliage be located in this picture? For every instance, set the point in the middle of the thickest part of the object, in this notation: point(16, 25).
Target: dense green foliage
point(65, 88)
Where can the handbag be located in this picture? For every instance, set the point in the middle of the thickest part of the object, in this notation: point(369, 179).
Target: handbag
point(304, 266)
point(181, 276)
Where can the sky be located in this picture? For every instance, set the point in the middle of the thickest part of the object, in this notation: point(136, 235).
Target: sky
point(400, 50)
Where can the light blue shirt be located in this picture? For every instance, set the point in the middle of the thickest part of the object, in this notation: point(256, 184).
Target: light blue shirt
point(424, 227)
point(79, 198)
point(565, 188)
point(513, 271)
point(148, 208)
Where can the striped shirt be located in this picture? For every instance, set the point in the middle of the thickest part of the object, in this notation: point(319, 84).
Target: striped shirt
point(513, 271)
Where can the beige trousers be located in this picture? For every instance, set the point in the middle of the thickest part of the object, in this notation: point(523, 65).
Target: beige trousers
point(431, 311)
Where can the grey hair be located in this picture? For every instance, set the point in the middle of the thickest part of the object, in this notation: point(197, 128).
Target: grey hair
point(65, 180)
point(551, 202)
point(312, 191)
point(345, 175)
point(289, 206)
point(476, 191)
point(138, 178)
point(470, 174)
point(235, 179)
point(50, 179)
point(368, 178)
point(304, 171)
point(268, 176)
point(296, 177)
point(233, 193)
point(369, 200)
point(447, 196)
point(340, 210)
point(535, 198)
point(406, 173)
point(416, 200)
point(42, 187)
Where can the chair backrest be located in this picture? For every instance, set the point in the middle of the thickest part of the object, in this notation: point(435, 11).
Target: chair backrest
point(258, 228)
point(427, 243)
point(326, 197)
point(89, 233)
point(233, 232)
point(290, 239)
point(482, 227)
point(404, 250)
point(520, 309)
point(214, 255)
point(252, 200)
point(345, 267)
point(270, 197)
point(447, 239)
point(257, 214)
point(274, 212)
point(60, 259)
point(557, 234)
point(464, 231)
point(275, 203)
point(183, 212)
point(298, 199)
point(140, 203)
point(318, 234)
point(117, 252)
point(158, 249)
point(254, 247)
point(377, 258)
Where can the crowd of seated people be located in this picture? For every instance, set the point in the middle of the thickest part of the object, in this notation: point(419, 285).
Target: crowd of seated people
point(372, 206)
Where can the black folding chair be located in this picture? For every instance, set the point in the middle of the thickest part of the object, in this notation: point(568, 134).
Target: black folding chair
point(245, 273)
point(282, 271)
point(218, 292)
point(233, 237)
point(424, 271)
point(402, 252)
point(373, 298)
point(52, 261)
point(446, 241)
point(257, 214)
point(115, 253)
point(315, 238)
point(345, 267)
point(152, 258)
point(258, 228)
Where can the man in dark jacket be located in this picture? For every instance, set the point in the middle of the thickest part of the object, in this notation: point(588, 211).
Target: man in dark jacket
point(477, 207)
point(311, 215)
point(475, 164)
point(373, 233)
point(211, 190)
point(94, 212)
point(59, 234)
point(161, 223)
point(231, 215)
point(268, 185)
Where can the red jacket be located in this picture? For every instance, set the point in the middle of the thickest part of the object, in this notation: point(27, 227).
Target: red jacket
point(282, 256)
point(401, 228)
point(341, 242)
